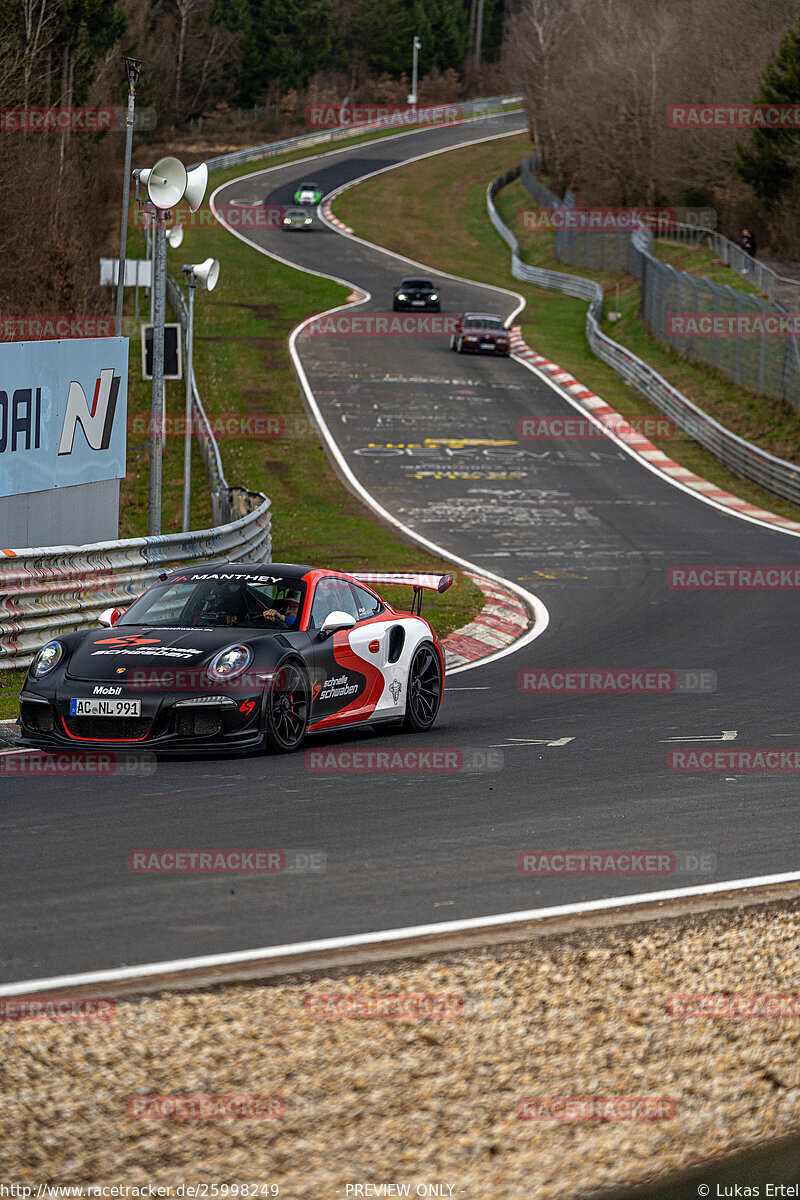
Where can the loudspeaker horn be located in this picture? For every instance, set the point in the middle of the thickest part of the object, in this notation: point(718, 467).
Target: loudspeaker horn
point(207, 273)
point(166, 182)
point(196, 185)
point(175, 236)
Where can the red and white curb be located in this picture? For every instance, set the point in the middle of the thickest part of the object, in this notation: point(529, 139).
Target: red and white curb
point(328, 214)
point(620, 427)
point(502, 620)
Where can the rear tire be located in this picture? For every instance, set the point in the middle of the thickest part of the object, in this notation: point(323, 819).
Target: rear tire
point(424, 689)
point(286, 704)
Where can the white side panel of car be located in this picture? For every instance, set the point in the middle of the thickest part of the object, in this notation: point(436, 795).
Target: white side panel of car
point(395, 674)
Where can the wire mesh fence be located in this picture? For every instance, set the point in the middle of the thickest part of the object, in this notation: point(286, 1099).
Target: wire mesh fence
point(750, 339)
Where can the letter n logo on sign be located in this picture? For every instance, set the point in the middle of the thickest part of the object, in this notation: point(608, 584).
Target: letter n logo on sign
point(96, 422)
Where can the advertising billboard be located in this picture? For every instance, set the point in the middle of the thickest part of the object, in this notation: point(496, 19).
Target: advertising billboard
point(63, 410)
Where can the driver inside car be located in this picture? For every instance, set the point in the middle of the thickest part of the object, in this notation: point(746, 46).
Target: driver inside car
point(285, 611)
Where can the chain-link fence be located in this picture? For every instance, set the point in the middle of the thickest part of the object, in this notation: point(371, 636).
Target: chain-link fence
point(749, 339)
point(744, 458)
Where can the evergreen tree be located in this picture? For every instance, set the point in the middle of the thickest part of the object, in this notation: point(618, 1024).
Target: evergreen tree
point(769, 163)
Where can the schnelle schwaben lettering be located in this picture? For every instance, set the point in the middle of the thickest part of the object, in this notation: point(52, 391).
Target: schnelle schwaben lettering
point(595, 862)
point(735, 1006)
point(343, 1006)
point(750, 578)
point(698, 758)
point(597, 679)
point(596, 1108)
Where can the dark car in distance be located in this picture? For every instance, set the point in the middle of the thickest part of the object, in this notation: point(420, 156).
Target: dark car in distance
point(416, 293)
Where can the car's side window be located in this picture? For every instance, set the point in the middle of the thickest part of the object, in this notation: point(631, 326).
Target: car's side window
point(332, 595)
point(367, 605)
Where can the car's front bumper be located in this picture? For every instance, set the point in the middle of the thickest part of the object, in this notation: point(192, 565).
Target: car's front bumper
point(166, 724)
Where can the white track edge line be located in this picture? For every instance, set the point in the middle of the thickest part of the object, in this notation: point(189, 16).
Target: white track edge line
point(386, 936)
point(537, 607)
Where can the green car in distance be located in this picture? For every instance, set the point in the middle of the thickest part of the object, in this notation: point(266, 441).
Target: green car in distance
point(308, 193)
point(297, 218)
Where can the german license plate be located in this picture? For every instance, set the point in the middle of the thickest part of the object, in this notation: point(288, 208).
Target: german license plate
point(93, 707)
point(487, 345)
point(418, 302)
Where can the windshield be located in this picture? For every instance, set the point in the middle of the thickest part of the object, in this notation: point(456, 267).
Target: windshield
point(484, 323)
point(416, 283)
point(219, 602)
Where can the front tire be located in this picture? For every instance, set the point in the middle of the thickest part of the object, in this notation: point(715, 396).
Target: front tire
point(424, 689)
point(287, 709)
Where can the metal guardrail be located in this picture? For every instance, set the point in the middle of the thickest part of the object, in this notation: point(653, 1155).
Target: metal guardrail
point(471, 109)
point(745, 459)
point(52, 590)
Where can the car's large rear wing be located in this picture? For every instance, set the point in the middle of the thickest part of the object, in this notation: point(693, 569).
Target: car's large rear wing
point(418, 580)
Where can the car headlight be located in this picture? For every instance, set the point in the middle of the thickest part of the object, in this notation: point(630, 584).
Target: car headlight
point(433, 296)
point(287, 220)
point(402, 296)
point(48, 657)
point(230, 662)
point(308, 220)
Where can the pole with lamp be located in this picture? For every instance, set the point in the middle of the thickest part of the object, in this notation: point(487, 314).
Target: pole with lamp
point(133, 66)
point(412, 99)
point(204, 275)
point(167, 183)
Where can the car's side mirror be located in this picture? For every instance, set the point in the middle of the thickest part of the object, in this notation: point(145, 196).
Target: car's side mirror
point(109, 617)
point(335, 621)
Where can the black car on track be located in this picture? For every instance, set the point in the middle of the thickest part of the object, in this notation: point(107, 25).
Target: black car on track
point(416, 294)
point(234, 656)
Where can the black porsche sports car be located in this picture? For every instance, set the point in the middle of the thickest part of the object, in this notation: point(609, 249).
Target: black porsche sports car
point(413, 294)
point(238, 657)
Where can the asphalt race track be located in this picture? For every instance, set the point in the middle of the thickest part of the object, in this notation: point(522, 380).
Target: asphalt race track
point(583, 525)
